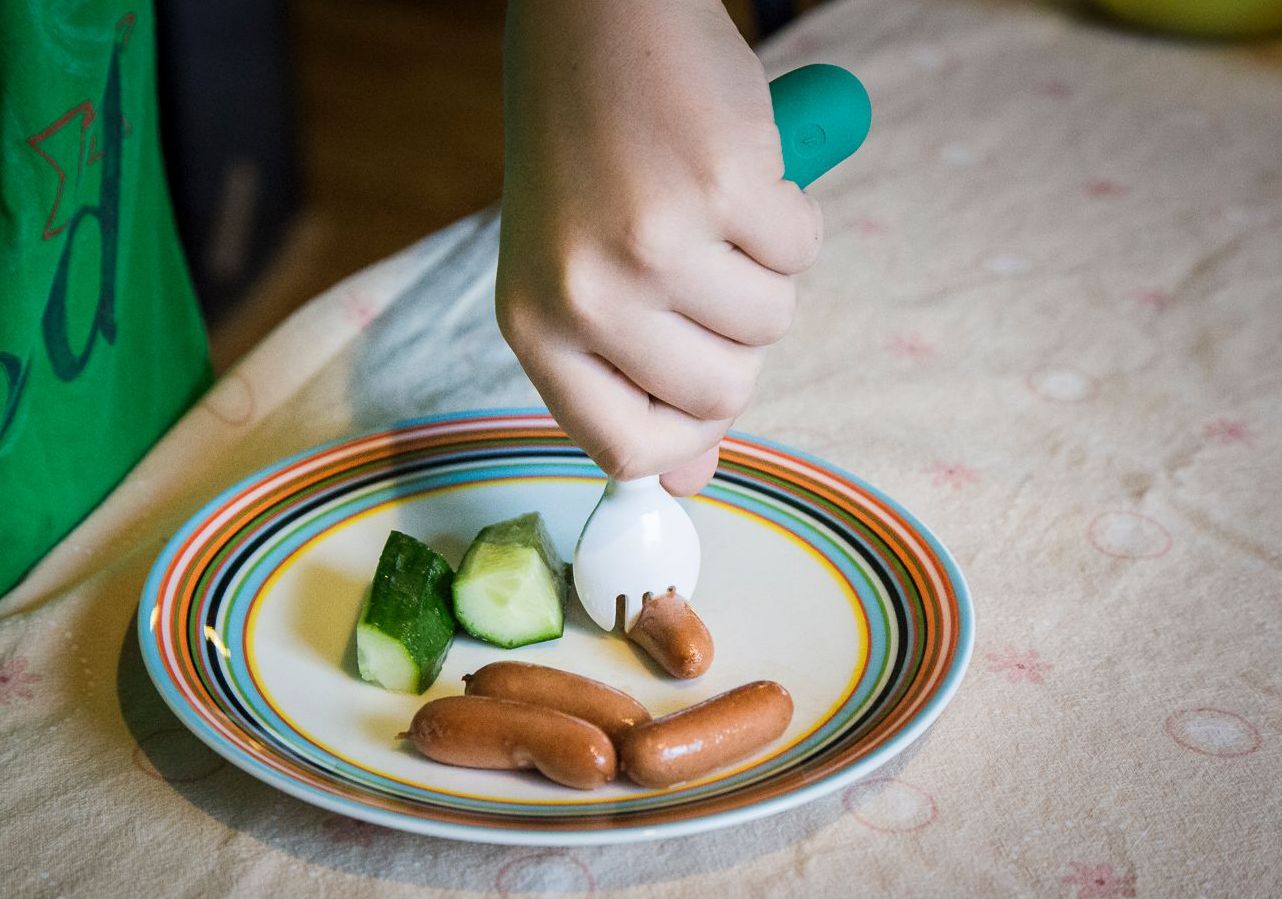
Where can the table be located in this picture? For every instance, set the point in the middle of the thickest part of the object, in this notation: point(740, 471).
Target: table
point(1047, 318)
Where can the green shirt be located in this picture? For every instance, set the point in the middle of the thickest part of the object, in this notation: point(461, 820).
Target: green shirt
point(101, 342)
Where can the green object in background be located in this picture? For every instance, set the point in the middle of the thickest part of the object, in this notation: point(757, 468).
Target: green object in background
point(823, 115)
point(101, 342)
point(1202, 18)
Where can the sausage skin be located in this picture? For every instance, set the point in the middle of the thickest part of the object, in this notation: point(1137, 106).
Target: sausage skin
point(673, 635)
point(614, 711)
point(483, 732)
point(716, 732)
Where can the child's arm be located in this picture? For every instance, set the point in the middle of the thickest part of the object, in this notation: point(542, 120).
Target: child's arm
point(647, 233)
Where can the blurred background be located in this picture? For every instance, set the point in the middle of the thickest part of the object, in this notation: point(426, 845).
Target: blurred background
point(306, 139)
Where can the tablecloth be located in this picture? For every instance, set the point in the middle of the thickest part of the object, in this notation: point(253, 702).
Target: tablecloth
point(1046, 318)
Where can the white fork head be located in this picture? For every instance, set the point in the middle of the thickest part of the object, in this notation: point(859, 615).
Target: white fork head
point(637, 540)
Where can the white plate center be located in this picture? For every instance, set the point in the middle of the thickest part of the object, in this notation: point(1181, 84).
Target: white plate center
point(776, 611)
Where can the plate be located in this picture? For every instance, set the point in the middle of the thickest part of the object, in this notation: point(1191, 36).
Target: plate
point(810, 577)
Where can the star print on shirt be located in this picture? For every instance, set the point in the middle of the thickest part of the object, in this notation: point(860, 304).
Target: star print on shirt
point(69, 150)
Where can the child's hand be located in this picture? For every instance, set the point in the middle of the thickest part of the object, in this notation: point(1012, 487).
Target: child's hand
point(647, 233)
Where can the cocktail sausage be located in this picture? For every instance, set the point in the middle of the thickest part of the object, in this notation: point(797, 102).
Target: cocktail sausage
point(673, 635)
point(614, 711)
point(695, 741)
point(482, 732)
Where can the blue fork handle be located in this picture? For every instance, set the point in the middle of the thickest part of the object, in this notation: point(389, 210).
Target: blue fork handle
point(823, 115)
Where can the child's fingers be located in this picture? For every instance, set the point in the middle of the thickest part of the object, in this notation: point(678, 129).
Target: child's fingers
point(780, 227)
point(734, 296)
point(681, 363)
point(693, 476)
point(624, 431)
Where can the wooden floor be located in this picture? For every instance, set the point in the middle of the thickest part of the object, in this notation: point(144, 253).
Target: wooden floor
point(400, 111)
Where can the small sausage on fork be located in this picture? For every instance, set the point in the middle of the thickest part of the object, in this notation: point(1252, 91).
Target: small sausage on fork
point(673, 635)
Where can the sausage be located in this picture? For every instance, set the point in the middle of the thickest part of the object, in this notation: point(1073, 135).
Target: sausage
point(614, 711)
point(673, 635)
point(483, 732)
point(694, 741)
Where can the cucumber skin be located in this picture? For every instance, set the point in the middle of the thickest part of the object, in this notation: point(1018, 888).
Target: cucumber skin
point(410, 601)
point(524, 530)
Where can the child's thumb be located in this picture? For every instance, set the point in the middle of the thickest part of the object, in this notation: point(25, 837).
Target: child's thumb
point(690, 478)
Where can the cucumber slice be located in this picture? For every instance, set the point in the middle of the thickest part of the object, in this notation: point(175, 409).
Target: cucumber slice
point(406, 626)
point(511, 588)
